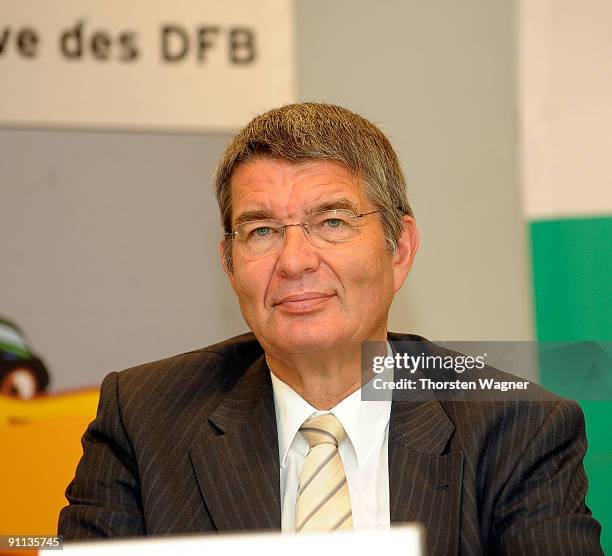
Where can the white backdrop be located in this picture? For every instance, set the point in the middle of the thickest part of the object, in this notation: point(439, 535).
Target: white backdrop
point(146, 64)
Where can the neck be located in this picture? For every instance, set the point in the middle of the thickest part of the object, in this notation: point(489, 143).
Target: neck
point(323, 379)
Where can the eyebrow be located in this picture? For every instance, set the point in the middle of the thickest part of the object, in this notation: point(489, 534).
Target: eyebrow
point(262, 214)
point(250, 215)
point(337, 204)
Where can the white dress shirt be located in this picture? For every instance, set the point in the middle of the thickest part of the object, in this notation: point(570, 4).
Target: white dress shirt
point(364, 453)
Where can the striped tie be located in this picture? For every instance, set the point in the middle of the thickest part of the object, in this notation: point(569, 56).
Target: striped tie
point(323, 502)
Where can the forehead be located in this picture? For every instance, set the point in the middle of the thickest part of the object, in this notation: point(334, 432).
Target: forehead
point(283, 188)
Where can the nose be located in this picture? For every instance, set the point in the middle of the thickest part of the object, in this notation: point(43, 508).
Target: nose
point(297, 254)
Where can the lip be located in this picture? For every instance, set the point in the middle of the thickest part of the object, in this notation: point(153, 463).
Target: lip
point(303, 302)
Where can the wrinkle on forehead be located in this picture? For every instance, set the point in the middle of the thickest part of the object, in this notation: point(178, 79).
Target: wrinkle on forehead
point(288, 190)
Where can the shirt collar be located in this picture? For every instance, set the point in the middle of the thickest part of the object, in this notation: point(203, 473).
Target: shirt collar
point(291, 411)
point(364, 421)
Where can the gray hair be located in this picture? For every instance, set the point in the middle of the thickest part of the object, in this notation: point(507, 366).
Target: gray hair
point(312, 131)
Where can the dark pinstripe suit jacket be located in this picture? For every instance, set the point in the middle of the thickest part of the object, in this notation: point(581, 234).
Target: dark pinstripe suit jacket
point(189, 444)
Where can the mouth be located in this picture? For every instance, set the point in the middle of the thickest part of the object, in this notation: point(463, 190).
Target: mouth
point(303, 302)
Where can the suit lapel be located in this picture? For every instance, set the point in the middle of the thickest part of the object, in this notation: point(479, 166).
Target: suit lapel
point(424, 484)
point(238, 469)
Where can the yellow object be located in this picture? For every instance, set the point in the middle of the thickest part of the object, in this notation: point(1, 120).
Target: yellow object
point(41, 446)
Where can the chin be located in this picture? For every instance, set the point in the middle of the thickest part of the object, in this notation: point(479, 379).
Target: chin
point(307, 339)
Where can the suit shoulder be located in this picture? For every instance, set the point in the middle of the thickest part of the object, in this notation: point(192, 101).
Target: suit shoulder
point(493, 413)
point(220, 362)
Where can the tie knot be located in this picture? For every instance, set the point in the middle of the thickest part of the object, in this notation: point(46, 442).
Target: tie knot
point(323, 429)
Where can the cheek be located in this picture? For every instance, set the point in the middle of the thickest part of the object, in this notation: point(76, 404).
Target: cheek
point(375, 292)
point(246, 286)
point(251, 281)
point(364, 277)
point(370, 265)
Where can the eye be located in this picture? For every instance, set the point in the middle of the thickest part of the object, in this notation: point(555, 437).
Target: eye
point(262, 231)
point(334, 223)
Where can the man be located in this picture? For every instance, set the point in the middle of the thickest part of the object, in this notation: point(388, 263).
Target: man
point(268, 430)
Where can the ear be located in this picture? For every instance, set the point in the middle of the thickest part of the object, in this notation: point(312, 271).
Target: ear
point(407, 246)
point(229, 274)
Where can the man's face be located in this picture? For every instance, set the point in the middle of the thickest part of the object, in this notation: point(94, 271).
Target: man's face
point(301, 298)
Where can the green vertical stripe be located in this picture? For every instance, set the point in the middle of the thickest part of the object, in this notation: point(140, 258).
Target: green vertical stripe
point(572, 270)
point(572, 266)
